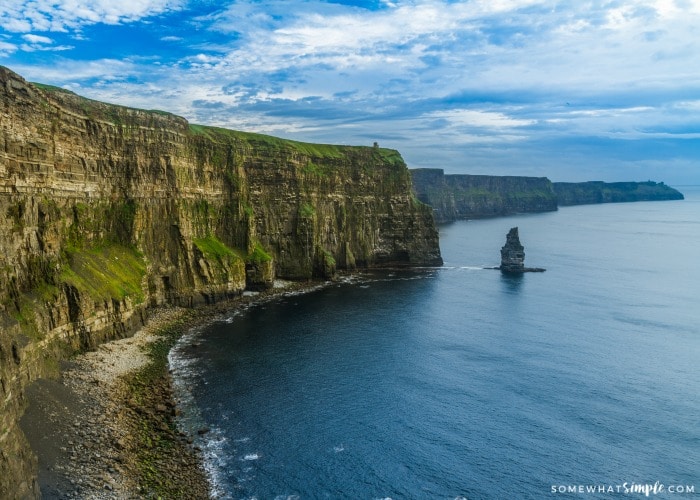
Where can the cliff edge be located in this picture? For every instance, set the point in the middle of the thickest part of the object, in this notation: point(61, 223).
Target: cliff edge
point(110, 210)
point(584, 193)
point(462, 196)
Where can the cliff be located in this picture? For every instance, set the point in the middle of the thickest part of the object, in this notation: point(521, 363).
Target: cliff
point(582, 193)
point(456, 197)
point(476, 196)
point(110, 210)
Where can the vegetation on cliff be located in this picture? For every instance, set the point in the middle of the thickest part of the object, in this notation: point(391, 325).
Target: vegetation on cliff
point(582, 193)
point(111, 210)
point(107, 272)
point(474, 196)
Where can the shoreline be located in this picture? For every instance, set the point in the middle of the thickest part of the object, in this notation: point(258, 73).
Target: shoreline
point(107, 427)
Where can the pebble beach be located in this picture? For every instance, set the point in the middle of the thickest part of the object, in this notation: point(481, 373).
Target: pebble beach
point(87, 427)
point(107, 428)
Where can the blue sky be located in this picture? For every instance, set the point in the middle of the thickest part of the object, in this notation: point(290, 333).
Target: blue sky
point(572, 90)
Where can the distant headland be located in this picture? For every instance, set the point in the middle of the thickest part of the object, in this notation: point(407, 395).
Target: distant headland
point(461, 196)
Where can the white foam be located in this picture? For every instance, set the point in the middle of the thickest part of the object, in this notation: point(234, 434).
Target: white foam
point(183, 367)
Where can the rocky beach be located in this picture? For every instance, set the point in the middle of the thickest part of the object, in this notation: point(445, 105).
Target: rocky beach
point(100, 433)
point(107, 427)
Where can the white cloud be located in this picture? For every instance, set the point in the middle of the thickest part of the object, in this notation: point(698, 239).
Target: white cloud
point(7, 48)
point(45, 48)
point(37, 39)
point(688, 105)
point(41, 43)
point(101, 71)
point(21, 16)
point(471, 44)
point(478, 118)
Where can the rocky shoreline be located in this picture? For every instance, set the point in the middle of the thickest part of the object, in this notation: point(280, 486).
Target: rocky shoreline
point(107, 428)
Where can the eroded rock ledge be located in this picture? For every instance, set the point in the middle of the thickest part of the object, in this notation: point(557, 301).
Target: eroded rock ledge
point(108, 211)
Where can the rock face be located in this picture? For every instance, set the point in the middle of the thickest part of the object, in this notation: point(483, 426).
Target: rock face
point(108, 211)
point(583, 193)
point(455, 197)
point(513, 253)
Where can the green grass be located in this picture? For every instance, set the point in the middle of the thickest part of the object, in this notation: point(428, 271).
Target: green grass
point(306, 211)
point(29, 304)
point(223, 260)
point(268, 142)
point(316, 170)
point(391, 156)
point(114, 113)
point(328, 259)
point(259, 255)
point(51, 88)
point(213, 248)
point(110, 271)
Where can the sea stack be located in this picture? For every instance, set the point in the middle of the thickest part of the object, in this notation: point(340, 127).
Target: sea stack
point(513, 255)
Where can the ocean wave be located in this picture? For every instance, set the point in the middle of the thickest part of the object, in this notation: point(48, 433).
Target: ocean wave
point(183, 368)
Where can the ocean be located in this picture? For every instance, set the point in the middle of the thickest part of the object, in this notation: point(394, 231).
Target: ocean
point(460, 382)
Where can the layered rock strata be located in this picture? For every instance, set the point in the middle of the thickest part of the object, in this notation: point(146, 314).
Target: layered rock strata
point(584, 193)
point(513, 255)
point(110, 210)
point(455, 197)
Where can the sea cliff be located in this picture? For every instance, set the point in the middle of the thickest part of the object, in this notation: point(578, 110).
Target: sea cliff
point(477, 196)
point(584, 193)
point(460, 196)
point(110, 211)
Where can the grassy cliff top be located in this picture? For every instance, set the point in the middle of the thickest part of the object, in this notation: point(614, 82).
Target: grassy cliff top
point(120, 115)
point(268, 142)
point(98, 109)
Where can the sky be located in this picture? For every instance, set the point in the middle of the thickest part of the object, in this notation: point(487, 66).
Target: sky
point(572, 90)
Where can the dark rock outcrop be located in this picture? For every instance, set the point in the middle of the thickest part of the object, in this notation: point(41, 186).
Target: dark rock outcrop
point(583, 193)
point(108, 211)
point(513, 255)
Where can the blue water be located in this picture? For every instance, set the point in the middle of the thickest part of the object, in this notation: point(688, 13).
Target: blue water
point(462, 382)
